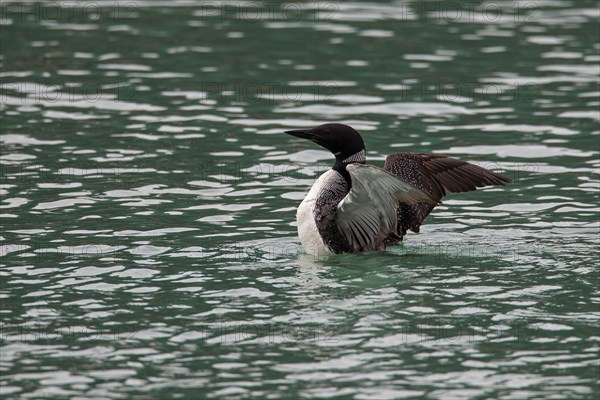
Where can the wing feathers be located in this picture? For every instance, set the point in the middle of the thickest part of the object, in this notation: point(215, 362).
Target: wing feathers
point(440, 174)
point(367, 214)
point(437, 175)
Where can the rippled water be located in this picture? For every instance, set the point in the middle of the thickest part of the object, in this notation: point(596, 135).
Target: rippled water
point(149, 246)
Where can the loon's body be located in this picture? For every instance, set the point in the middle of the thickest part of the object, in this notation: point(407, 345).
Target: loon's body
point(357, 207)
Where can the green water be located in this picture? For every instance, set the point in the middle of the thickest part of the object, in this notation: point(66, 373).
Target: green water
point(149, 247)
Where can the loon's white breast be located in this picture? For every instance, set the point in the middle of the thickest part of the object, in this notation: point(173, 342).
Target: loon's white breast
point(305, 216)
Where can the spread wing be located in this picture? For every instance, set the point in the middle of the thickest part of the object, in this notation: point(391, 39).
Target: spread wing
point(436, 175)
point(367, 214)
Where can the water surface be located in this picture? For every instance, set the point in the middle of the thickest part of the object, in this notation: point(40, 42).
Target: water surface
point(149, 246)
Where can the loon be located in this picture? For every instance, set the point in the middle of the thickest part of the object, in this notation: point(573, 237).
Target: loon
point(357, 207)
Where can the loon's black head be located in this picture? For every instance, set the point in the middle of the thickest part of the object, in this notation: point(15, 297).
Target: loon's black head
point(344, 142)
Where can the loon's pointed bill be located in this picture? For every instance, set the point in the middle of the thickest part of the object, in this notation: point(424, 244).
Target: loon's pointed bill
point(301, 133)
point(356, 207)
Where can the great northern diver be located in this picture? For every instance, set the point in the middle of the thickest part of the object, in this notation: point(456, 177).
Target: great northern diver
point(356, 207)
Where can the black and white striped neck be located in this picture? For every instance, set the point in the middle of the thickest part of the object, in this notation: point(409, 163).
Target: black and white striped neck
point(359, 157)
point(341, 163)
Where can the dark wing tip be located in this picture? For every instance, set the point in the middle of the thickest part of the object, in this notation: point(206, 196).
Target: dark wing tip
point(499, 180)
